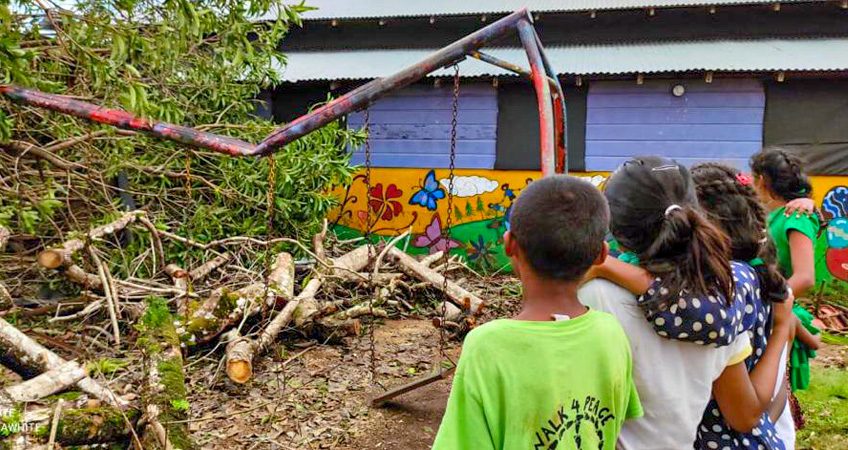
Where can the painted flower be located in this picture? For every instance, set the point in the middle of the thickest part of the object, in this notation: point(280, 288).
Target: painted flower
point(744, 179)
point(383, 203)
point(480, 252)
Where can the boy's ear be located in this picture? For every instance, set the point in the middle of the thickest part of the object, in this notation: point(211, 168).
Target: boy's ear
point(602, 256)
point(509, 244)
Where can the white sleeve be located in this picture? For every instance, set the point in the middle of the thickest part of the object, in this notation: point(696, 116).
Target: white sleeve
point(739, 350)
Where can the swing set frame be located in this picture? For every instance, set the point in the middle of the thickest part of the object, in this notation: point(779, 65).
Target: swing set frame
point(549, 96)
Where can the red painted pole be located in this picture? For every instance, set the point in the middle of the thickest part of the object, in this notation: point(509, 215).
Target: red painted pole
point(543, 97)
point(560, 124)
point(124, 120)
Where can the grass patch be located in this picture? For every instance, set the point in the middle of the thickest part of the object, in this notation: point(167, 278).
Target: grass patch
point(825, 406)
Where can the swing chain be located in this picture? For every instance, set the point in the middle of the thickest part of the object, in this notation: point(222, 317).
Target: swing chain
point(372, 348)
point(272, 187)
point(449, 219)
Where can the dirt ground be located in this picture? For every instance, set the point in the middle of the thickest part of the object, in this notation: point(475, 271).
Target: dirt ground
point(317, 397)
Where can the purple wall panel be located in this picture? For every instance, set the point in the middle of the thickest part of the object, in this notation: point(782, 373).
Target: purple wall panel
point(411, 128)
point(721, 121)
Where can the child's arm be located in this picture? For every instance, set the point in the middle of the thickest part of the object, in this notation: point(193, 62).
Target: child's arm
point(803, 263)
point(813, 341)
point(633, 278)
point(743, 397)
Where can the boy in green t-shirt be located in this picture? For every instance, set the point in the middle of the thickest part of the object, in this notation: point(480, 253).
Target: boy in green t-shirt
point(558, 375)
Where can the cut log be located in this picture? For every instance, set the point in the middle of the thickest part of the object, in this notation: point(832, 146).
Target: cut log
point(62, 256)
point(48, 383)
point(459, 296)
point(239, 350)
point(28, 358)
point(201, 272)
point(448, 311)
point(178, 275)
point(223, 309)
point(303, 308)
point(165, 404)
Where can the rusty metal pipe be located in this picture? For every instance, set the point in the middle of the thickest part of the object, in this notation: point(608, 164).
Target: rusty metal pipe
point(560, 111)
point(543, 97)
point(124, 120)
point(365, 94)
point(506, 65)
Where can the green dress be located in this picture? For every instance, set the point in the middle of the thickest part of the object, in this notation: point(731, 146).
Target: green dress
point(779, 227)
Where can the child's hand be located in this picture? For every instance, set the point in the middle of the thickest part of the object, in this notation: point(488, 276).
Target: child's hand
point(800, 206)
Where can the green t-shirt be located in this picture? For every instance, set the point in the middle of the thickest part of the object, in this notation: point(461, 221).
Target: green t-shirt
point(521, 384)
point(779, 228)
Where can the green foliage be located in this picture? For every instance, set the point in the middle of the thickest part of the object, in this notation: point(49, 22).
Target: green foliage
point(10, 422)
point(200, 63)
point(181, 405)
point(157, 314)
point(106, 366)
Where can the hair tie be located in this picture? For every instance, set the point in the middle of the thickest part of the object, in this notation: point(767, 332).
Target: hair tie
point(672, 208)
point(756, 262)
point(744, 179)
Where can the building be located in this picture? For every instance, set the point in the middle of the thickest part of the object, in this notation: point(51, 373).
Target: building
point(689, 79)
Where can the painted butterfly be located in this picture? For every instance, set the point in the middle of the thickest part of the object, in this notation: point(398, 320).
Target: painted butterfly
point(433, 239)
point(429, 193)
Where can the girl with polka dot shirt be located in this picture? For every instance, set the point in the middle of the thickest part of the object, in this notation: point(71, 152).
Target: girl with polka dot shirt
point(709, 319)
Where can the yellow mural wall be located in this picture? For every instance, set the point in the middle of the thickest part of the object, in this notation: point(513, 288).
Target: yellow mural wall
point(416, 199)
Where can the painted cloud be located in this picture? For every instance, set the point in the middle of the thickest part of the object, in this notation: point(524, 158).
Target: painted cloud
point(470, 186)
point(595, 180)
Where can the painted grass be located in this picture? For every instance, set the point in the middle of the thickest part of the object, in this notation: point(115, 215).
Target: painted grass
point(825, 407)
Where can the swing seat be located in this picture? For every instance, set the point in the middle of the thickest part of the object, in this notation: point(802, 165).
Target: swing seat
point(385, 397)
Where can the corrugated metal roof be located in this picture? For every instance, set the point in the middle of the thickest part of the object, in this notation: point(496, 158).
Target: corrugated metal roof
point(728, 56)
point(350, 9)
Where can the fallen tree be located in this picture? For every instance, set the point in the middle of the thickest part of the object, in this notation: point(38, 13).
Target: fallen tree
point(164, 397)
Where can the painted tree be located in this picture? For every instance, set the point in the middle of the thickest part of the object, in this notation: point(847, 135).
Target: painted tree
point(200, 63)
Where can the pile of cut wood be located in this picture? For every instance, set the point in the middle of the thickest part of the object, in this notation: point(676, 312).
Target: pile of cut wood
point(237, 312)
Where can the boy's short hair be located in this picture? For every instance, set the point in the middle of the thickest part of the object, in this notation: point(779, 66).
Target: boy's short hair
point(560, 223)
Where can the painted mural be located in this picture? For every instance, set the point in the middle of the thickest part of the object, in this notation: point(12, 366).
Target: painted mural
point(417, 200)
point(832, 193)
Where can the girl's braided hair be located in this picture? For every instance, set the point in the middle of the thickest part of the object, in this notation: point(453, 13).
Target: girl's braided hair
point(783, 172)
point(731, 203)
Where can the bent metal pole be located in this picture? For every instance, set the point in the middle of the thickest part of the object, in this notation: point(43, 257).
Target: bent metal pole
point(350, 102)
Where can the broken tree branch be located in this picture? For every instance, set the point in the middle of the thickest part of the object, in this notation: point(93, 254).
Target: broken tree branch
point(241, 351)
point(48, 383)
point(459, 296)
point(29, 358)
point(62, 256)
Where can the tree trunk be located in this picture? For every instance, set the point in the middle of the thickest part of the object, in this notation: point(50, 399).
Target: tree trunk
point(165, 406)
point(28, 358)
